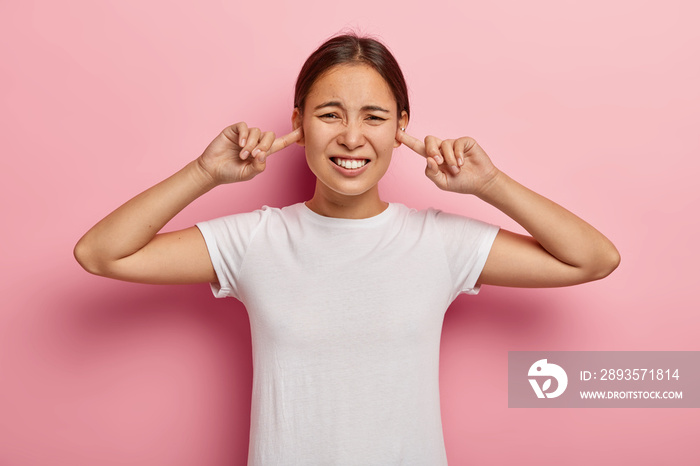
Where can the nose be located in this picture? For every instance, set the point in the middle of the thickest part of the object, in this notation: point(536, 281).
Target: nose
point(351, 136)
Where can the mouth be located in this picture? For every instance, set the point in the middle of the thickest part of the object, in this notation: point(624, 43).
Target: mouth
point(350, 164)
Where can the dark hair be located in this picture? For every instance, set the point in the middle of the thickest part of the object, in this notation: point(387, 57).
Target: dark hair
point(352, 49)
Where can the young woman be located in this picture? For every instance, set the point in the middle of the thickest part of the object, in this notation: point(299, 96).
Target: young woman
point(346, 293)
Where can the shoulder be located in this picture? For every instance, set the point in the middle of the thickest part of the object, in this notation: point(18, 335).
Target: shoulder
point(434, 215)
point(247, 224)
point(452, 227)
point(264, 213)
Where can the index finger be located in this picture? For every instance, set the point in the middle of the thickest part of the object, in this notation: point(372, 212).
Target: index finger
point(416, 145)
point(284, 141)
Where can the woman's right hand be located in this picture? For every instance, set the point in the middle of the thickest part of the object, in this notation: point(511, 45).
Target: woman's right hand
point(238, 153)
point(126, 244)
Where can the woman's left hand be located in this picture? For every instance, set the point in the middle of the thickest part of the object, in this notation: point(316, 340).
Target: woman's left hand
point(457, 165)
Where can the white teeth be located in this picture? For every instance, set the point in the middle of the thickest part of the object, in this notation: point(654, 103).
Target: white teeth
point(349, 164)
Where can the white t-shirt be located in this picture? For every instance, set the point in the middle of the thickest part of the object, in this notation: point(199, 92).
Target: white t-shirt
point(346, 317)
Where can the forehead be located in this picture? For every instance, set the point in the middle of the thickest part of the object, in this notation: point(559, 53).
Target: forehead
point(354, 85)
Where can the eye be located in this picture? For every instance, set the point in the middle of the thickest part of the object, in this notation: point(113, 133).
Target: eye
point(330, 116)
point(375, 119)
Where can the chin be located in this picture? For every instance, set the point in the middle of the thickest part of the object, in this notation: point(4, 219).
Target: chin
point(349, 191)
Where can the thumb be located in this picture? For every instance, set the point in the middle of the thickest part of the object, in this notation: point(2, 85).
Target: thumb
point(431, 170)
point(252, 169)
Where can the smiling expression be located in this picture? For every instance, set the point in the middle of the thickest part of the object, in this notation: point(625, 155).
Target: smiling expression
point(349, 122)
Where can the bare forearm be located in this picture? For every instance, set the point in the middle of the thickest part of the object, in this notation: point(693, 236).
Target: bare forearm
point(133, 225)
point(561, 233)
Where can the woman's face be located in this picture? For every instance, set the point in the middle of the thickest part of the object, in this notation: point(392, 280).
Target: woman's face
point(349, 122)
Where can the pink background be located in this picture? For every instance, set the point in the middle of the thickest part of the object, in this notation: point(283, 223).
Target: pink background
point(593, 104)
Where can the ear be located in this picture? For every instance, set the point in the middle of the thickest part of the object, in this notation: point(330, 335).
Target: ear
point(297, 121)
point(403, 123)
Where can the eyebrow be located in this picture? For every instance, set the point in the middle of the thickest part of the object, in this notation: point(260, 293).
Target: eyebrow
point(334, 103)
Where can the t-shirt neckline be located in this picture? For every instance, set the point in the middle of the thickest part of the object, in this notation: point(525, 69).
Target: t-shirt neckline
point(369, 221)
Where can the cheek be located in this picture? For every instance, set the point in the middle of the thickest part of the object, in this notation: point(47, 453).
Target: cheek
point(317, 136)
point(383, 139)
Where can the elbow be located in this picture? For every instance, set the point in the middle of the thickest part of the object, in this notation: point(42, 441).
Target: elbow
point(86, 257)
point(606, 264)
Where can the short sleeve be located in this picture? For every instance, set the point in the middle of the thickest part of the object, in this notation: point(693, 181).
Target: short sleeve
point(467, 244)
point(227, 239)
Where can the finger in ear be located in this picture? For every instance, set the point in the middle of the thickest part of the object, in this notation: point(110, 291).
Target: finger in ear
point(297, 122)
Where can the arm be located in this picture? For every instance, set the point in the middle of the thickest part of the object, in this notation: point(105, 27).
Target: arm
point(563, 249)
point(126, 245)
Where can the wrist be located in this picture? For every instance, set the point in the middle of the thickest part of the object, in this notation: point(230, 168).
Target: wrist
point(491, 189)
point(201, 175)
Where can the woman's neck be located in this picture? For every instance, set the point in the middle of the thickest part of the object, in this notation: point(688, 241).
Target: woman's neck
point(333, 204)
